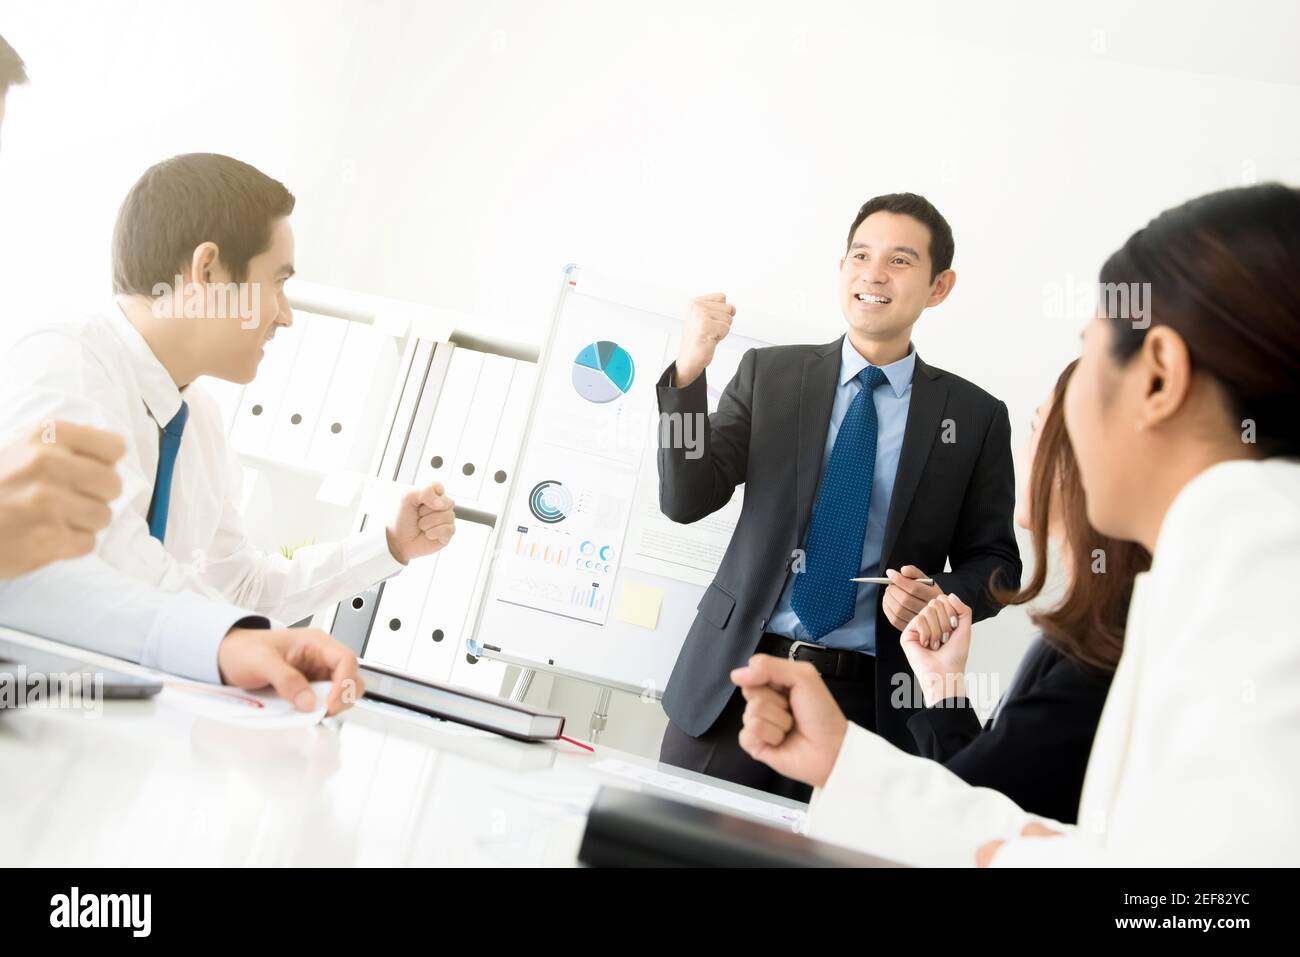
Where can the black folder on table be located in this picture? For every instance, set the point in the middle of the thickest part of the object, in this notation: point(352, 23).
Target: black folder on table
point(634, 829)
point(489, 712)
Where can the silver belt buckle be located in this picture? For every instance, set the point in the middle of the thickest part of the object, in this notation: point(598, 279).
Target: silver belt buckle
point(794, 648)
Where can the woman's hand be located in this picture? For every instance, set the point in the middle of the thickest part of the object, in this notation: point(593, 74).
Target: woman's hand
point(984, 856)
point(792, 723)
point(937, 644)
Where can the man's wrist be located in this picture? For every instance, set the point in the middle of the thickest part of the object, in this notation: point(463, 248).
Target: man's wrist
point(683, 374)
point(394, 549)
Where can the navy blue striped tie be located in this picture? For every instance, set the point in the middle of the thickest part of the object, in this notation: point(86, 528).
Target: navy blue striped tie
point(823, 596)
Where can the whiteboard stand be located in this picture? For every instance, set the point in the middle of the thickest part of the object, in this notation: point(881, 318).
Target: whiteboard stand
point(600, 715)
point(523, 681)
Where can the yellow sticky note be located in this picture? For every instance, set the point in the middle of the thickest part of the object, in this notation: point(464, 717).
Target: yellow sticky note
point(639, 604)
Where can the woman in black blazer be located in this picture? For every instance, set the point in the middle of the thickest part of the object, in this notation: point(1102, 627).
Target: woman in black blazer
point(1035, 747)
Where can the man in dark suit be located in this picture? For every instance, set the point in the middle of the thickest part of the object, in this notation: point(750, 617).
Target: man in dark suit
point(858, 460)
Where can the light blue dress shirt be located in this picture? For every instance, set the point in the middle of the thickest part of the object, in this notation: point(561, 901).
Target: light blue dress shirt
point(892, 402)
point(92, 605)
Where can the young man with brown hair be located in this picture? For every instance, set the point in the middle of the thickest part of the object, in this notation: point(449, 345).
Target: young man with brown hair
point(211, 221)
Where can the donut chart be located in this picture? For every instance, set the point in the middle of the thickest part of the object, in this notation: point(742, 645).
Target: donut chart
point(550, 502)
point(594, 558)
point(603, 371)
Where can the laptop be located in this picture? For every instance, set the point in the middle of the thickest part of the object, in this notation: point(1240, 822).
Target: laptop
point(25, 671)
point(636, 829)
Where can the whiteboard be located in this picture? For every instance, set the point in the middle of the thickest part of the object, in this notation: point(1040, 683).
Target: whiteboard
point(588, 578)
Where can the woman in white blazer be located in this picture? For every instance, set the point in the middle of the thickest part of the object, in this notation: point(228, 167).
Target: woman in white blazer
point(1182, 415)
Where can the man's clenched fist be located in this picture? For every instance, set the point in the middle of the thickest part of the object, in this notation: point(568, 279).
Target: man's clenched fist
point(708, 320)
point(55, 486)
point(425, 523)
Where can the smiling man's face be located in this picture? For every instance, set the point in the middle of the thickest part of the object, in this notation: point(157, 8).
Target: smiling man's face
point(267, 272)
point(230, 343)
point(885, 278)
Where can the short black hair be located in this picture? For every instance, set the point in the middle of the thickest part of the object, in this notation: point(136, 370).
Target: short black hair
point(923, 211)
point(188, 200)
point(12, 70)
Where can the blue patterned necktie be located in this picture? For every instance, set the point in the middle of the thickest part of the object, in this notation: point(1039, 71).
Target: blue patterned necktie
point(823, 597)
point(162, 486)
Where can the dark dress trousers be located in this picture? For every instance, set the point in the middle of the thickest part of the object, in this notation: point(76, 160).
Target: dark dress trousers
point(1035, 747)
point(953, 498)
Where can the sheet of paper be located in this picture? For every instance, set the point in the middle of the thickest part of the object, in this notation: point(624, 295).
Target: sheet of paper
point(689, 553)
point(793, 818)
point(599, 399)
point(655, 544)
point(562, 540)
point(263, 710)
point(639, 604)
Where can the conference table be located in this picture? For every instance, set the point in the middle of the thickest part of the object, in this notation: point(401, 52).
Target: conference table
point(154, 782)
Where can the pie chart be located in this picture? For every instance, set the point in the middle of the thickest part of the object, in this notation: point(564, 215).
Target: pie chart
point(603, 371)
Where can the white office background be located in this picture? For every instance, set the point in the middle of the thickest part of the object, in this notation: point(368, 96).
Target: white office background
point(459, 153)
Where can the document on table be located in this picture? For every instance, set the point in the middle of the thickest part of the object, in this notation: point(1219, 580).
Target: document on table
point(792, 818)
point(262, 710)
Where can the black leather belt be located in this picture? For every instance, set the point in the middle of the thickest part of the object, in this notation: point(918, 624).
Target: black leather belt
point(829, 662)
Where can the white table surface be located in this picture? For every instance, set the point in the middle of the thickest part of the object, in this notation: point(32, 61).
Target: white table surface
point(146, 783)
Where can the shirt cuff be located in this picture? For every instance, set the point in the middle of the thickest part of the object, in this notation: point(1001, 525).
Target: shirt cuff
point(837, 796)
point(187, 633)
point(367, 555)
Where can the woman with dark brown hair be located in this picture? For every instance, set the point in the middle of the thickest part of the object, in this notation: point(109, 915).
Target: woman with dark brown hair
point(1034, 748)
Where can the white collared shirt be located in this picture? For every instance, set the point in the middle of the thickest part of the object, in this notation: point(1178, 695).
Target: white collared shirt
point(100, 371)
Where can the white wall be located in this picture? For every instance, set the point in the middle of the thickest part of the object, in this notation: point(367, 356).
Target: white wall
point(460, 153)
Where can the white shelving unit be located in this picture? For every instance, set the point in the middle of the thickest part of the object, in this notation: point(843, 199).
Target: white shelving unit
point(288, 501)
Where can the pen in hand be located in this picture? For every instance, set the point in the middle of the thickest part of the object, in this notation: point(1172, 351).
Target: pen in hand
point(885, 581)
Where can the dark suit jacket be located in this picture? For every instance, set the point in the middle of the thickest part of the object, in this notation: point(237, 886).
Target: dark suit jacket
point(952, 501)
point(1036, 750)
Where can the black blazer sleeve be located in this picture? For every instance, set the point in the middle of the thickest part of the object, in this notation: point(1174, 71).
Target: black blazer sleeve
point(695, 482)
point(984, 541)
point(944, 729)
point(1037, 750)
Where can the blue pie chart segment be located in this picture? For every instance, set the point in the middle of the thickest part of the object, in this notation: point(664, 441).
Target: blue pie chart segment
point(589, 357)
point(603, 371)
